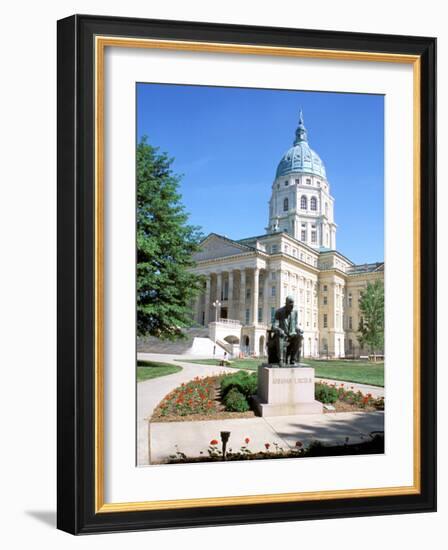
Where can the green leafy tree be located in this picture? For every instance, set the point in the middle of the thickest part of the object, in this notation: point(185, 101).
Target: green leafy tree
point(165, 245)
point(371, 326)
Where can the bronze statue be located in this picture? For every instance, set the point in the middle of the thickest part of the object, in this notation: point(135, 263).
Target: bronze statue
point(284, 341)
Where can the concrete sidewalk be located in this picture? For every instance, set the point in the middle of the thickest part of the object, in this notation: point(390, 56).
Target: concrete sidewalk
point(151, 392)
point(193, 438)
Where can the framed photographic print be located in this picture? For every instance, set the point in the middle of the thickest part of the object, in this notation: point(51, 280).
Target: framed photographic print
point(246, 274)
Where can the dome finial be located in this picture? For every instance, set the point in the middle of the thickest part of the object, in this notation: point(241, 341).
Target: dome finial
point(301, 133)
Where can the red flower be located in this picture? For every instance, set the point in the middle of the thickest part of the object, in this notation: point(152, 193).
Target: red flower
point(247, 440)
point(342, 385)
point(213, 442)
point(267, 445)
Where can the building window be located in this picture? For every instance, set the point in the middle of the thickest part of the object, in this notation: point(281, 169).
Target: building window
point(350, 345)
point(278, 186)
point(325, 288)
point(273, 275)
point(247, 316)
point(313, 203)
point(308, 297)
point(308, 181)
point(297, 181)
point(274, 249)
point(325, 320)
point(302, 238)
point(350, 300)
point(303, 202)
point(285, 205)
point(286, 183)
point(247, 293)
point(273, 291)
point(272, 314)
point(350, 322)
point(325, 300)
point(313, 236)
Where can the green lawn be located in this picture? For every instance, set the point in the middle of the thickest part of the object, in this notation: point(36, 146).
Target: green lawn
point(146, 370)
point(249, 364)
point(363, 372)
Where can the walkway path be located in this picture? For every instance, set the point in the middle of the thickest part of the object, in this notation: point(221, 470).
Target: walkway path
point(193, 438)
point(151, 392)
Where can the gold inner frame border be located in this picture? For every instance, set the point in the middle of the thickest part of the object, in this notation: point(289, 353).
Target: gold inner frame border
point(100, 44)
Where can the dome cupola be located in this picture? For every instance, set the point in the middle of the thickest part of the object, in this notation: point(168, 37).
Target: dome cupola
point(300, 158)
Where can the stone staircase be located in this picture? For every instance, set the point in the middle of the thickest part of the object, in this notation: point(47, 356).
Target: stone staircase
point(196, 342)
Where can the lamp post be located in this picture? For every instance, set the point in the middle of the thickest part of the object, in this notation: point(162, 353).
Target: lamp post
point(224, 438)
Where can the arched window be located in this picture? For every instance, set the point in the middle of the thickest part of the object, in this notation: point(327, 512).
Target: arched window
point(313, 203)
point(303, 202)
point(285, 204)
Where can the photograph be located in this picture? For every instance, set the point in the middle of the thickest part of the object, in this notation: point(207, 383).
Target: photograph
point(260, 274)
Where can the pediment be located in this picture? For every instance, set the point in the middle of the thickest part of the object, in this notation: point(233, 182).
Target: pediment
point(215, 246)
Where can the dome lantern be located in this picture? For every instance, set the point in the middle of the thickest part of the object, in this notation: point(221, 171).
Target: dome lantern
point(300, 158)
point(301, 133)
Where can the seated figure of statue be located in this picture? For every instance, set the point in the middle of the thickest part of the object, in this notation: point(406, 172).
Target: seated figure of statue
point(284, 342)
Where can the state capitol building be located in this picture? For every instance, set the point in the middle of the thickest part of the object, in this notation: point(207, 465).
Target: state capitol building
point(247, 280)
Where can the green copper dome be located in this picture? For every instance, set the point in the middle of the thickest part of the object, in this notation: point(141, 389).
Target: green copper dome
point(300, 158)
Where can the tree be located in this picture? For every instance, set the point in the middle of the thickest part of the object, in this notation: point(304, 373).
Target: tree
point(371, 326)
point(166, 287)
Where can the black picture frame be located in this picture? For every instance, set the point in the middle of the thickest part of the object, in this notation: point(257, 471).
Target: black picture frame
point(76, 275)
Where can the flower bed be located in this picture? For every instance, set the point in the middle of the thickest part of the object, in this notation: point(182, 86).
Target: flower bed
point(229, 396)
point(194, 397)
point(345, 398)
point(199, 399)
point(374, 444)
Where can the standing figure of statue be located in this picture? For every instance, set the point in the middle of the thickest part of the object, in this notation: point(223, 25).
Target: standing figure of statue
point(284, 341)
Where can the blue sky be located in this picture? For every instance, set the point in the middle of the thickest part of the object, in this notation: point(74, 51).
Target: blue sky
point(227, 143)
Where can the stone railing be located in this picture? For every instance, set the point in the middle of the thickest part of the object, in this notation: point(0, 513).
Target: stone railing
point(232, 322)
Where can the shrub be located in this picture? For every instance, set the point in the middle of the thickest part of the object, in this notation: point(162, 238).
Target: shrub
point(243, 381)
point(235, 401)
point(325, 393)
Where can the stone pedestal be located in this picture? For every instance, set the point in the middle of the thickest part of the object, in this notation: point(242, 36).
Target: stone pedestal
point(286, 391)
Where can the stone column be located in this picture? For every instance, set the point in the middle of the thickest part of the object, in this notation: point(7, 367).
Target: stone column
point(207, 300)
point(230, 308)
point(255, 288)
point(266, 296)
point(218, 286)
point(243, 296)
